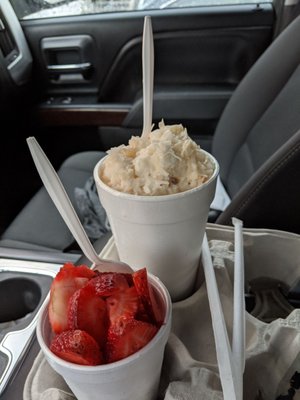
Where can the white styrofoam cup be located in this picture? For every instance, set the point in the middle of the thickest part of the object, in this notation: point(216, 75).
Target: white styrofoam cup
point(162, 233)
point(134, 378)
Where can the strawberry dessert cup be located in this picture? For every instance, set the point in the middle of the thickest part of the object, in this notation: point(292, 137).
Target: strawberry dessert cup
point(105, 334)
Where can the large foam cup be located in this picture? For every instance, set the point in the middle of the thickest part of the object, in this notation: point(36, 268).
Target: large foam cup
point(134, 378)
point(162, 233)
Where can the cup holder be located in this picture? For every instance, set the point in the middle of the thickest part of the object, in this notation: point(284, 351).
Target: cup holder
point(24, 287)
point(18, 298)
point(21, 296)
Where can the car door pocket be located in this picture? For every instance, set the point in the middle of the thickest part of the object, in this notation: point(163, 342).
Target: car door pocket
point(68, 59)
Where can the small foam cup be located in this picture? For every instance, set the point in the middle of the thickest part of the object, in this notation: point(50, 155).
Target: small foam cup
point(134, 378)
point(162, 233)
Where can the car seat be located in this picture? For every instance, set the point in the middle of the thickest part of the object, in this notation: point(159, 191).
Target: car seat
point(256, 144)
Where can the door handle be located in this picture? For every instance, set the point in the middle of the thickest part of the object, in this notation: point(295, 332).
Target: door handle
point(69, 68)
point(69, 55)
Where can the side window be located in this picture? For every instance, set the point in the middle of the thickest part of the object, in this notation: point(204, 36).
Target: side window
point(30, 9)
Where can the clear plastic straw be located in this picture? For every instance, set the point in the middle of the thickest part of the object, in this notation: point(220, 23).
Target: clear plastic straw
point(227, 370)
point(238, 332)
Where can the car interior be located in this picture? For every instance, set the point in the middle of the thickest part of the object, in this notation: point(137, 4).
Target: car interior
point(229, 73)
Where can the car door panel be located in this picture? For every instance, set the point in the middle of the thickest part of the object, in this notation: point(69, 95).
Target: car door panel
point(200, 57)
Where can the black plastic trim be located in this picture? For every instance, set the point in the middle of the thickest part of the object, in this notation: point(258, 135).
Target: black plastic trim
point(19, 66)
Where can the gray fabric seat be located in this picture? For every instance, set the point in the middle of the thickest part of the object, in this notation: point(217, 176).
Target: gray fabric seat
point(256, 143)
point(39, 226)
point(257, 140)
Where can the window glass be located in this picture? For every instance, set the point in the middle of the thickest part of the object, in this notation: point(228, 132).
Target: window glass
point(26, 9)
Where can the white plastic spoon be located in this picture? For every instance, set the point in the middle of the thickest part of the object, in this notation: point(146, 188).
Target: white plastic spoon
point(148, 72)
point(62, 202)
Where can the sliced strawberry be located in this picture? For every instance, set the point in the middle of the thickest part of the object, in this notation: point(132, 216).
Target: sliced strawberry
point(142, 314)
point(128, 278)
point(80, 270)
point(158, 310)
point(140, 280)
point(122, 305)
point(88, 312)
point(127, 339)
point(66, 282)
point(108, 283)
point(78, 347)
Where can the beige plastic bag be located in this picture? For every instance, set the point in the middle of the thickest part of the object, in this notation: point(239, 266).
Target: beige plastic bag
point(190, 370)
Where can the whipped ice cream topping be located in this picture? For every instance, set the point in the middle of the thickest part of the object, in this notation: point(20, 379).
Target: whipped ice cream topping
point(167, 161)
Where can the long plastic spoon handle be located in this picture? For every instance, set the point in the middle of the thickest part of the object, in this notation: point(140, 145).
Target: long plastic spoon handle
point(239, 321)
point(223, 349)
point(61, 200)
point(148, 72)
